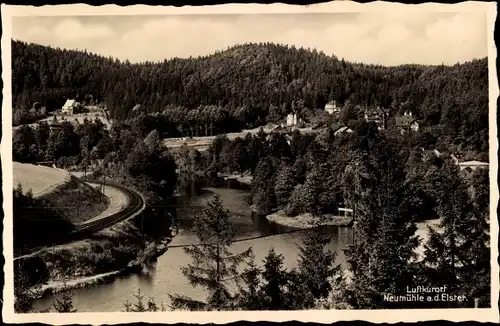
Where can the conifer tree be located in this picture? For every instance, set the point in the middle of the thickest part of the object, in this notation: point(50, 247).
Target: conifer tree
point(285, 183)
point(140, 306)
point(275, 281)
point(459, 254)
point(316, 265)
point(249, 297)
point(214, 267)
point(64, 303)
point(384, 240)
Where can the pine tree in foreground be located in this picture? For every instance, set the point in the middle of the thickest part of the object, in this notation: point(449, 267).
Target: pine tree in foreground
point(274, 289)
point(24, 292)
point(64, 303)
point(140, 306)
point(214, 267)
point(249, 297)
point(315, 266)
point(459, 254)
point(381, 257)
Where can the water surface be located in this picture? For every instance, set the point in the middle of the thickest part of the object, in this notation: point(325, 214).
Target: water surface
point(165, 277)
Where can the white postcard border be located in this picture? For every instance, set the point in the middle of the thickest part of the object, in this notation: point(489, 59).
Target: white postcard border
point(319, 316)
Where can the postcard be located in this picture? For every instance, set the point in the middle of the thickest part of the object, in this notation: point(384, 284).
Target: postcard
point(329, 162)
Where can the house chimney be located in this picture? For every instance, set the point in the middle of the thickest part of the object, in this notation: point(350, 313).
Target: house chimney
point(334, 104)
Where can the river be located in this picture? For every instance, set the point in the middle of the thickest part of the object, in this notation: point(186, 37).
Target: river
point(165, 277)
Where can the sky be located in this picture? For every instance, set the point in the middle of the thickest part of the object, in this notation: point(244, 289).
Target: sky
point(387, 38)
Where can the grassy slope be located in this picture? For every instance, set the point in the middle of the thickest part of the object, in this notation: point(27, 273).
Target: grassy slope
point(75, 200)
point(40, 179)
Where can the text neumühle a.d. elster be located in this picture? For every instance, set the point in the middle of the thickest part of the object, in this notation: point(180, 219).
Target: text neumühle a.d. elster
point(425, 294)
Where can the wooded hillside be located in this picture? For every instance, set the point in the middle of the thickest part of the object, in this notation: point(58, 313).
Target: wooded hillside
point(248, 85)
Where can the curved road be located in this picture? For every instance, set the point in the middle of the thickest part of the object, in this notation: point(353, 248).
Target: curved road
point(135, 204)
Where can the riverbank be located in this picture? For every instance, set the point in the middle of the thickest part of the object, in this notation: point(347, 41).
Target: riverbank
point(307, 220)
point(152, 252)
point(109, 253)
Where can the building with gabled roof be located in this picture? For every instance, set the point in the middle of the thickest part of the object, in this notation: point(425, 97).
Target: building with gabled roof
point(407, 122)
point(332, 108)
point(70, 107)
point(377, 115)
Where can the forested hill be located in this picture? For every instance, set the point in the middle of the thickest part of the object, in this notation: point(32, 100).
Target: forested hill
point(250, 84)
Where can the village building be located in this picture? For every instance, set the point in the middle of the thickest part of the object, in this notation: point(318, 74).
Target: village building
point(407, 122)
point(379, 116)
point(291, 119)
point(332, 108)
point(70, 107)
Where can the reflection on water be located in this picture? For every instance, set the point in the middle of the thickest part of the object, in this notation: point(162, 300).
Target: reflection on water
point(165, 276)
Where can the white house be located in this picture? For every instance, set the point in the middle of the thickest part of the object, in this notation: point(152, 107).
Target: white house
point(291, 119)
point(331, 107)
point(69, 107)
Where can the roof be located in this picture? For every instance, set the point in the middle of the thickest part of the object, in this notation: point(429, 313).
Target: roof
point(343, 129)
point(473, 163)
point(431, 152)
point(70, 103)
point(375, 113)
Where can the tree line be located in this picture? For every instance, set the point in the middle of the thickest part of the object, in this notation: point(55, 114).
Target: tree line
point(248, 85)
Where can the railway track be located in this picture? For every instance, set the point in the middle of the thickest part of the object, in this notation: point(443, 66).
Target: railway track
point(135, 204)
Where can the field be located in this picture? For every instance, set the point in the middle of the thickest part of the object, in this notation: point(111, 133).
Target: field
point(74, 199)
point(40, 179)
point(202, 143)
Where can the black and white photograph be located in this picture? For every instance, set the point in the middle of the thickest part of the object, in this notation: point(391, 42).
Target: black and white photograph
point(327, 162)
